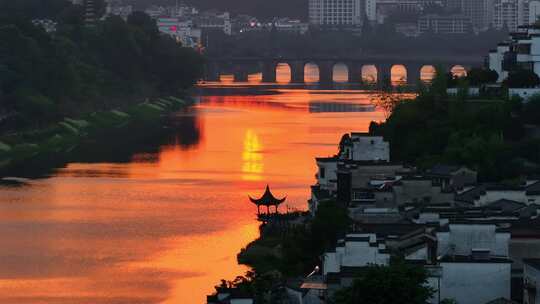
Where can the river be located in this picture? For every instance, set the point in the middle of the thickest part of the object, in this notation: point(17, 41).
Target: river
point(165, 225)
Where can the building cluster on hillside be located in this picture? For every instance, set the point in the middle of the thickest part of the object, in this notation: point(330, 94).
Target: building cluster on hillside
point(188, 24)
point(415, 17)
point(442, 219)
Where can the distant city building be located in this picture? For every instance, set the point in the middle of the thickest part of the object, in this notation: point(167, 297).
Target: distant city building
point(214, 20)
point(371, 10)
point(480, 12)
point(534, 11)
point(336, 12)
point(47, 24)
point(444, 24)
point(386, 8)
point(181, 30)
point(291, 26)
point(510, 14)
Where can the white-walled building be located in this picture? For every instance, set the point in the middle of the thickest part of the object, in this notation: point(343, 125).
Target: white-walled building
point(521, 50)
point(336, 12)
point(473, 264)
point(356, 250)
point(364, 147)
point(531, 281)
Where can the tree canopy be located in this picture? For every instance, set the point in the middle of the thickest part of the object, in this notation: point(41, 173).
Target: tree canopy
point(522, 78)
point(78, 68)
point(398, 283)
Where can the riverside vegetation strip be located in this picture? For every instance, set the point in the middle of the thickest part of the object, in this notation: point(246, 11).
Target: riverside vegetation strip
point(59, 140)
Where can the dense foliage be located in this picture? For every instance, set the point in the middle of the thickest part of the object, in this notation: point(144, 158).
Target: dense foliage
point(522, 78)
point(485, 134)
point(398, 283)
point(79, 68)
point(301, 247)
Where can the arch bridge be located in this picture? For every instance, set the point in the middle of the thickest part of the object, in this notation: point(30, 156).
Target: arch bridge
point(241, 67)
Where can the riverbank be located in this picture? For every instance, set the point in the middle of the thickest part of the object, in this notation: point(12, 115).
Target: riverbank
point(35, 152)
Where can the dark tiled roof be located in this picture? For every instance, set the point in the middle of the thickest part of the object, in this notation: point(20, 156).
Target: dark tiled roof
point(471, 195)
point(506, 205)
point(321, 194)
point(501, 301)
point(326, 159)
point(444, 170)
point(533, 189)
point(533, 263)
point(382, 230)
point(470, 259)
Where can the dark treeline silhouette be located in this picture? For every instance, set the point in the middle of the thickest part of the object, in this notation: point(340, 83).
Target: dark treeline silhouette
point(78, 68)
point(379, 40)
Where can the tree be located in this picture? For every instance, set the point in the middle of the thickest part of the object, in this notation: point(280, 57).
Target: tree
point(478, 76)
point(397, 283)
point(330, 223)
point(522, 78)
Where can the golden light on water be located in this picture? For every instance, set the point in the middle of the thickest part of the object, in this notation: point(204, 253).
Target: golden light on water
point(252, 166)
point(165, 224)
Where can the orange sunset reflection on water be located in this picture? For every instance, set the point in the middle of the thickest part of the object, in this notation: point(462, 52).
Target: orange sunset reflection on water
point(165, 225)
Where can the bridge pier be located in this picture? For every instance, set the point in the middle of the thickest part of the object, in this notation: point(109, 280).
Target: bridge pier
point(240, 73)
point(384, 75)
point(211, 71)
point(297, 71)
point(414, 76)
point(269, 72)
point(355, 72)
point(326, 72)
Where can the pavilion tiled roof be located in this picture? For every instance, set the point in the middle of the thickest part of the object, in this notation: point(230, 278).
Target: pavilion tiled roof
point(267, 199)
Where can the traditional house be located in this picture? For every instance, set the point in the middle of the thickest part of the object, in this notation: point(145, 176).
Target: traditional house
point(531, 281)
point(480, 251)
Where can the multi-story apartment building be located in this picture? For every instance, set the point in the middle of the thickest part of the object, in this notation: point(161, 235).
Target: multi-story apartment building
point(480, 12)
point(443, 24)
point(336, 12)
point(510, 13)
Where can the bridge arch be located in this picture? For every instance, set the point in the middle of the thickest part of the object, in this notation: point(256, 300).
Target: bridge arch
point(340, 72)
point(312, 73)
point(398, 74)
point(427, 73)
point(369, 74)
point(283, 72)
point(226, 77)
point(255, 77)
point(458, 71)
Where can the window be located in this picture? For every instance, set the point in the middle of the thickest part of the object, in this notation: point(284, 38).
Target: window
point(322, 172)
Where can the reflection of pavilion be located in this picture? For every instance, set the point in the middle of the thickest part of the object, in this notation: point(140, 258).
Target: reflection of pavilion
point(267, 199)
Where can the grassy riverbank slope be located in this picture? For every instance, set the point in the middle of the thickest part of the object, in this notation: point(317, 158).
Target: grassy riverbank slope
point(41, 149)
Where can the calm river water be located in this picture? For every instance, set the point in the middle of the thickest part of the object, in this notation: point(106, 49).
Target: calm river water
point(165, 226)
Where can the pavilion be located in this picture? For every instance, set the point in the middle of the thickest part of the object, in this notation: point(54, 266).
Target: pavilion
point(267, 199)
